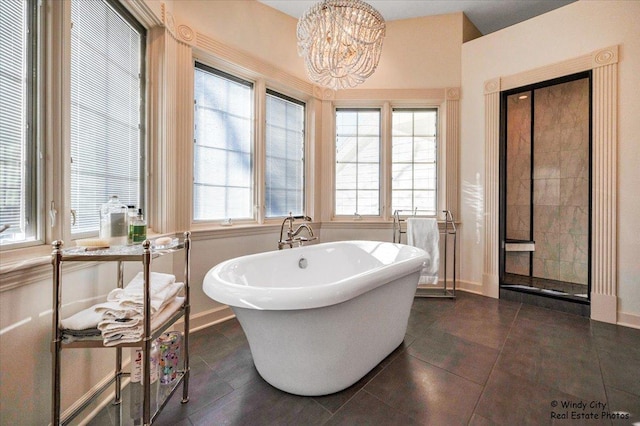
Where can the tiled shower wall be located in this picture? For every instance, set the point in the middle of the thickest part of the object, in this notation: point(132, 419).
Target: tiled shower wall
point(560, 182)
point(518, 153)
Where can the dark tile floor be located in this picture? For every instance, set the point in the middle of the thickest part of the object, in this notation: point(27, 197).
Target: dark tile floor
point(473, 361)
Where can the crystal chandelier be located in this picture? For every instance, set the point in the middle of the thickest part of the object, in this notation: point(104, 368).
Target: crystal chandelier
point(341, 41)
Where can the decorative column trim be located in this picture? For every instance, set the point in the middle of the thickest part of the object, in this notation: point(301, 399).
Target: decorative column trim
point(604, 256)
point(452, 149)
point(490, 276)
point(170, 131)
point(593, 60)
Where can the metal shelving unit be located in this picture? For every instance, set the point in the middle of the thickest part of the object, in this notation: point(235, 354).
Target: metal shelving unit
point(143, 253)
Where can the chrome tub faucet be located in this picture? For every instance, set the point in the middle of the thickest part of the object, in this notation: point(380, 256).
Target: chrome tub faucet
point(293, 236)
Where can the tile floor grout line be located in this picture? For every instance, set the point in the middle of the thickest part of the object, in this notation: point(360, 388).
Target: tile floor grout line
point(597, 346)
point(484, 386)
point(362, 389)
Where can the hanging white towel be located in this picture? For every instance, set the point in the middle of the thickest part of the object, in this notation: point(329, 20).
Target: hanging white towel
point(423, 233)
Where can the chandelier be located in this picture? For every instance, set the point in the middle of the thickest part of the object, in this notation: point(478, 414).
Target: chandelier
point(341, 41)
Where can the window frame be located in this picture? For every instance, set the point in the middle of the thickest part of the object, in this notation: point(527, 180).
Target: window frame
point(34, 149)
point(68, 215)
point(52, 127)
point(381, 149)
point(387, 107)
point(261, 85)
point(224, 73)
point(303, 104)
point(437, 140)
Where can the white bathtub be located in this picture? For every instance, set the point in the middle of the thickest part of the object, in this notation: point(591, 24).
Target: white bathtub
point(318, 318)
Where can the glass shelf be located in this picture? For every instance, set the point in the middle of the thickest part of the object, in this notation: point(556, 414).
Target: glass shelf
point(132, 252)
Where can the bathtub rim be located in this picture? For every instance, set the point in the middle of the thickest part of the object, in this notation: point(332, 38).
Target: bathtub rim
point(301, 297)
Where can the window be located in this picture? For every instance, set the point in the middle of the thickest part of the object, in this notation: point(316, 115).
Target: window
point(414, 154)
point(223, 167)
point(107, 89)
point(19, 166)
point(357, 168)
point(284, 177)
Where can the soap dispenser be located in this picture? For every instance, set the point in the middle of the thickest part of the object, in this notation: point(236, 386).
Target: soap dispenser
point(138, 229)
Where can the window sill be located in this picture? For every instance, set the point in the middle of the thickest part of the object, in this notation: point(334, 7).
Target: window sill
point(28, 265)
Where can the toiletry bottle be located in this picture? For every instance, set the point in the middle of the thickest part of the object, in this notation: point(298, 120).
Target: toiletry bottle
point(137, 378)
point(113, 221)
point(138, 229)
point(135, 385)
point(132, 212)
point(155, 375)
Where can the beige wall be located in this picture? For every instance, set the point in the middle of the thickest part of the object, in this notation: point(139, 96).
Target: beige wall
point(569, 32)
point(249, 26)
point(417, 53)
point(420, 53)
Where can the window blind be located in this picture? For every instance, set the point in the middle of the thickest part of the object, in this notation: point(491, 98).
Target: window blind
point(14, 119)
point(107, 156)
point(223, 148)
point(284, 174)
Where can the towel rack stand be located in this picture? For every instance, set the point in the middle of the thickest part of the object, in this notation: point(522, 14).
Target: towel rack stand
point(449, 232)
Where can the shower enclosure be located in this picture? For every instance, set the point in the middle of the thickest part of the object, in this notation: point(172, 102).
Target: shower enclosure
point(545, 193)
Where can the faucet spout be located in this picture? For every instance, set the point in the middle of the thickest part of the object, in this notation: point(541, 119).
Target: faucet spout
point(293, 236)
point(300, 228)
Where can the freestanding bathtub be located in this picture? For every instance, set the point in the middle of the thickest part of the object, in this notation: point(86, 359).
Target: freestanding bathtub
point(318, 318)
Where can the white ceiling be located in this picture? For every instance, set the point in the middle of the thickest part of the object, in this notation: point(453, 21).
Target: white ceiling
point(487, 15)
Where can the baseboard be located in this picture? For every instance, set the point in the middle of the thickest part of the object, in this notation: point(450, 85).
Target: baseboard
point(206, 319)
point(629, 320)
point(470, 287)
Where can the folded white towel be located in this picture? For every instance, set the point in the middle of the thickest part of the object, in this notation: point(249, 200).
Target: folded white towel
point(128, 305)
point(131, 330)
point(87, 318)
point(423, 233)
point(135, 289)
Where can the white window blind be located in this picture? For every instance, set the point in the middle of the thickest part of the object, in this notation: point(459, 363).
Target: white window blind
point(107, 69)
point(17, 145)
point(223, 147)
point(284, 156)
point(357, 168)
point(414, 155)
